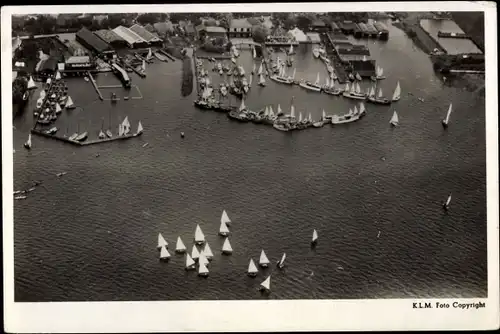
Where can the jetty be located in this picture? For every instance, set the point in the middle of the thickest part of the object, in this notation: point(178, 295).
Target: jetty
point(94, 83)
point(83, 143)
point(166, 54)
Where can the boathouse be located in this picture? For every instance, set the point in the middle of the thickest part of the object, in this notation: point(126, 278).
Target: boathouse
point(382, 30)
point(47, 67)
point(371, 31)
point(78, 65)
point(335, 28)
point(319, 26)
point(347, 27)
point(93, 43)
point(241, 28)
point(358, 32)
point(150, 38)
point(131, 38)
point(110, 37)
point(313, 38)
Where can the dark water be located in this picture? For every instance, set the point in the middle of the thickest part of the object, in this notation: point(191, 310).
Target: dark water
point(92, 234)
point(451, 45)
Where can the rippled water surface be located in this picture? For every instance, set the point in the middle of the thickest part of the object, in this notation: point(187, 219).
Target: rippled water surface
point(92, 234)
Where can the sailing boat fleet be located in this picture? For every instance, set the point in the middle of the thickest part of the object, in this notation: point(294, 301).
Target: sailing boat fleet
point(201, 253)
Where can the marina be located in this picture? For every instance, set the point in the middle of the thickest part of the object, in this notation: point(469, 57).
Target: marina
point(329, 213)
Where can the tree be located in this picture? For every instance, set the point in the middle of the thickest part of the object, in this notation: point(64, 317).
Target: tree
point(289, 23)
point(303, 22)
point(260, 33)
point(210, 22)
point(150, 18)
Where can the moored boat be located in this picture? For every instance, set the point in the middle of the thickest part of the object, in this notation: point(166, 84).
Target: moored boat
point(266, 285)
point(312, 86)
point(161, 241)
point(252, 269)
point(397, 93)
point(27, 144)
point(199, 237)
point(447, 119)
point(380, 99)
point(226, 247)
point(394, 119)
point(281, 263)
point(179, 246)
point(354, 92)
point(263, 260)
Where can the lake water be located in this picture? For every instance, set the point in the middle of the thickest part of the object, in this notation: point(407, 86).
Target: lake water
point(91, 235)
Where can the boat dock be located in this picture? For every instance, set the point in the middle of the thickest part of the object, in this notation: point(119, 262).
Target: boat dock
point(94, 83)
point(139, 73)
point(334, 59)
point(166, 54)
point(138, 56)
point(83, 143)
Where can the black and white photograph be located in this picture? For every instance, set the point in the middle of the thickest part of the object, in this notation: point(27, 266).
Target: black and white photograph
point(287, 166)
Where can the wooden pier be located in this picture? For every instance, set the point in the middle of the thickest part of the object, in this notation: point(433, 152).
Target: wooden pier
point(95, 86)
point(82, 143)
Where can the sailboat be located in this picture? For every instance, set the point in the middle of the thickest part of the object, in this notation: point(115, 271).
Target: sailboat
point(195, 254)
point(82, 136)
point(447, 119)
point(312, 86)
point(354, 92)
point(254, 52)
point(226, 247)
point(164, 254)
point(380, 99)
point(281, 76)
point(139, 129)
point(58, 108)
point(69, 103)
point(279, 112)
point(447, 203)
point(27, 144)
point(58, 75)
point(74, 135)
point(292, 78)
point(263, 260)
point(202, 270)
point(243, 107)
point(266, 285)
point(179, 246)
point(223, 230)
point(358, 77)
point(190, 264)
point(203, 259)
point(394, 119)
point(314, 237)
point(101, 134)
point(397, 93)
point(254, 68)
point(262, 81)
point(225, 218)
point(208, 252)
point(259, 72)
point(252, 269)
point(150, 54)
point(31, 83)
point(250, 79)
point(199, 237)
point(161, 241)
point(291, 51)
point(379, 73)
point(281, 263)
point(126, 126)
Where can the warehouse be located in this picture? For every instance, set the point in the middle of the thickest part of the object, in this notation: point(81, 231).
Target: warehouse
point(90, 41)
point(146, 35)
point(110, 37)
point(131, 38)
point(47, 67)
point(382, 30)
point(78, 65)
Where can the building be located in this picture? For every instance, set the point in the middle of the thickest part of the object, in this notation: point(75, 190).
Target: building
point(382, 30)
point(371, 31)
point(240, 28)
point(110, 37)
point(210, 32)
point(335, 28)
point(319, 26)
point(363, 30)
point(313, 37)
point(93, 43)
point(47, 67)
point(347, 27)
point(358, 32)
point(131, 38)
point(78, 65)
point(149, 28)
point(298, 35)
point(150, 38)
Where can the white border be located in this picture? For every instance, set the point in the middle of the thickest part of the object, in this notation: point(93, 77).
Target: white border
point(273, 315)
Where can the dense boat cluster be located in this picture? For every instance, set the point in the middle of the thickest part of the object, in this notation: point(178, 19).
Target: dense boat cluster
point(201, 254)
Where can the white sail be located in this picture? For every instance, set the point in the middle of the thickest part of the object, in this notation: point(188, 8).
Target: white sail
point(364, 58)
point(58, 75)
point(161, 241)
point(58, 108)
point(69, 103)
point(327, 82)
point(262, 80)
point(372, 92)
point(355, 110)
point(267, 283)
point(164, 254)
point(250, 81)
point(180, 247)
point(242, 105)
point(28, 142)
point(150, 54)
point(317, 80)
point(226, 247)
point(195, 253)
point(260, 69)
point(324, 114)
point(279, 109)
point(254, 68)
point(358, 88)
point(207, 251)
point(203, 259)
point(293, 74)
point(203, 270)
point(31, 83)
point(252, 268)
point(271, 112)
point(120, 130)
point(350, 112)
point(139, 128)
point(223, 230)
point(361, 107)
point(353, 89)
point(48, 81)
point(315, 236)
point(300, 116)
point(254, 52)
point(291, 49)
point(282, 259)
point(394, 118)
point(346, 89)
point(448, 115)
point(199, 237)
point(381, 72)
point(292, 111)
point(309, 118)
point(380, 95)
point(189, 261)
point(397, 93)
point(263, 258)
point(43, 94)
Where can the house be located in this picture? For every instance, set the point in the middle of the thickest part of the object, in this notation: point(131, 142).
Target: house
point(90, 41)
point(210, 32)
point(131, 38)
point(79, 64)
point(150, 38)
point(240, 28)
point(319, 26)
point(110, 37)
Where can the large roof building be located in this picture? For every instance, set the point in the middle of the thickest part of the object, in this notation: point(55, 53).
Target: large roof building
point(133, 40)
point(92, 42)
point(110, 37)
point(144, 34)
